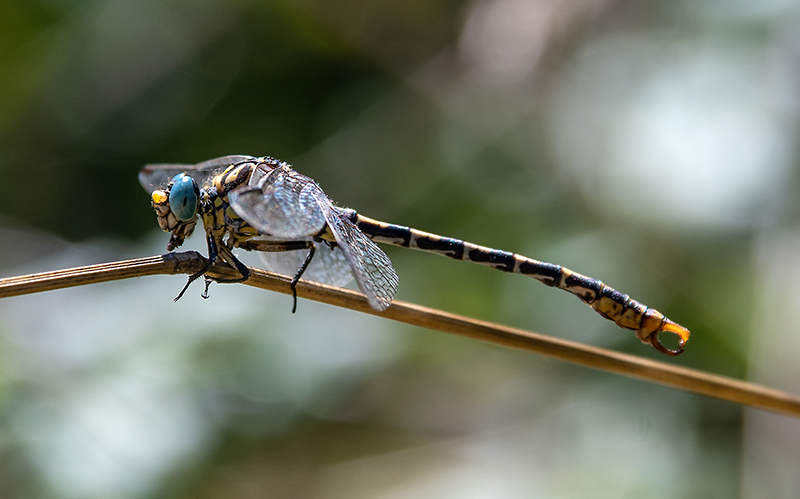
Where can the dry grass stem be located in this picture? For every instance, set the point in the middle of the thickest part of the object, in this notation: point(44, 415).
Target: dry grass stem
point(682, 378)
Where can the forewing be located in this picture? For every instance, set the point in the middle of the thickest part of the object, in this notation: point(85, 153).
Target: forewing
point(283, 204)
point(158, 175)
point(328, 265)
point(371, 267)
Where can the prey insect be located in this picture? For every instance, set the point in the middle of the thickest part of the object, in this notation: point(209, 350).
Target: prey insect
point(262, 204)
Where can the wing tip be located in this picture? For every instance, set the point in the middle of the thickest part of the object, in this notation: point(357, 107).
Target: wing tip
point(379, 304)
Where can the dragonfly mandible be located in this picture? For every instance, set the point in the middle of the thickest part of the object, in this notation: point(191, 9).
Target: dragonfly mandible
point(262, 204)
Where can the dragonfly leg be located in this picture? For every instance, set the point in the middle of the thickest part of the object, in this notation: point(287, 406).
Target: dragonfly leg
point(216, 252)
point(228, 257)
point(296, 278)
point(195, 276)
point(275, 246)
point(191, 279)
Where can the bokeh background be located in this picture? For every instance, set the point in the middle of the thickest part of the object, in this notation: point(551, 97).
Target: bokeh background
point(650, 144)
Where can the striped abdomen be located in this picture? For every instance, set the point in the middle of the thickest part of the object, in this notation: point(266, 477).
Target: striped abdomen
point(608, 302)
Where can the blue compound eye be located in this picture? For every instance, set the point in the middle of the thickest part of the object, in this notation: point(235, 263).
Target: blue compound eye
point(183, 197)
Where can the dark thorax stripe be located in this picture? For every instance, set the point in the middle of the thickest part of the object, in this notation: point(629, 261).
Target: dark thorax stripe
point(232, 177)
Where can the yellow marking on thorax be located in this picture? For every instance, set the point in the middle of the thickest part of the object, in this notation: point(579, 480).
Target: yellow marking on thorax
point(231, 214)
point(327, 235)
point(247, 231)
point(233, 176)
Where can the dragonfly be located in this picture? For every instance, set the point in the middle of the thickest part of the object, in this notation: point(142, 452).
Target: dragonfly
point(262, 204)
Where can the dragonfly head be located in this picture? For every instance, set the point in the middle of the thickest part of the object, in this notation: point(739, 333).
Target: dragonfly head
point(176, 208)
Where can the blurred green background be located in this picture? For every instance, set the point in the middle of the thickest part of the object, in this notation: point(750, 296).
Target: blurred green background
point(648, 144)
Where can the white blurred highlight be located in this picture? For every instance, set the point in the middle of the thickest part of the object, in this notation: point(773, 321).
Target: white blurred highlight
point(696, 132)
point(505, 39)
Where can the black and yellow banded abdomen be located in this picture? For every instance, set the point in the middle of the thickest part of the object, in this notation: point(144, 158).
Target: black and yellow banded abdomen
point(608, 302)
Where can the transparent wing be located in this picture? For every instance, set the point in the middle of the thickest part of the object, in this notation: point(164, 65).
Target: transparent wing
point(328, 265)
point(371, 267)
point(282, 203)
point(158, 175)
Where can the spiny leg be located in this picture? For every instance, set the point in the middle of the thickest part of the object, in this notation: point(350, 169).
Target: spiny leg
point(227, 256)
point(212, 256)
point(279, 246)
point(215, 252)
point(299, 273)
point(191, 279)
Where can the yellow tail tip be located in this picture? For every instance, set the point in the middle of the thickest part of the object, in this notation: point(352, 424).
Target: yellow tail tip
point(669, 327)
